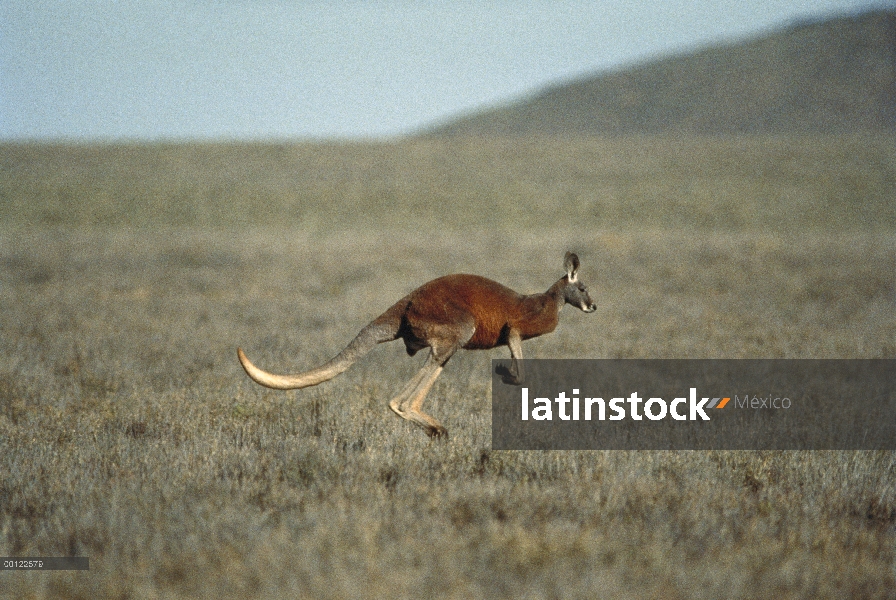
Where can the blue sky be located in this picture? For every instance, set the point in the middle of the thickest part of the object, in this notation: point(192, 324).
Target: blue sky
point(260, 69)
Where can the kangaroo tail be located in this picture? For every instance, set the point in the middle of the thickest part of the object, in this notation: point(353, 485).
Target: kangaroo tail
point(380, 330)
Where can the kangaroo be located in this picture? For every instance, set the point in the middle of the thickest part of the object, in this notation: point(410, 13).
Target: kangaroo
point(444, 315)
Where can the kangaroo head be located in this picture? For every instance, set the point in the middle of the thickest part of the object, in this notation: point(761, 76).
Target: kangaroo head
point(575, 292)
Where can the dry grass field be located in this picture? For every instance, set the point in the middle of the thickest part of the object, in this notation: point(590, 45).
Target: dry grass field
point(130, 434)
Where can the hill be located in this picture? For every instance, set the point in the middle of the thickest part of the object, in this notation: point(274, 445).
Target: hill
point(831, 76)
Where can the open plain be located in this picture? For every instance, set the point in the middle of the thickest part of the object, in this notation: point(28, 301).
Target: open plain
point(129, 433)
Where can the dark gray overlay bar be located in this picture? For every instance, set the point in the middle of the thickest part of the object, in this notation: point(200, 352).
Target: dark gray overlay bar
point(772, 404)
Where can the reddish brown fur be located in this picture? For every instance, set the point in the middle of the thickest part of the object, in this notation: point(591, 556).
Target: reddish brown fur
point(446, 314)
point(492, 310)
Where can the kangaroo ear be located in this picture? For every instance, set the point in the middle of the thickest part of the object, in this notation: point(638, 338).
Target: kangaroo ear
point(571, 263)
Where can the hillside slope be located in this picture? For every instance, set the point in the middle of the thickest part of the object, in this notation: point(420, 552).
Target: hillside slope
point(833, 76)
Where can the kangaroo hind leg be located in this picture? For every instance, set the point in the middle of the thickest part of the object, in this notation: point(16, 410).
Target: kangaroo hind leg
point(409, 403)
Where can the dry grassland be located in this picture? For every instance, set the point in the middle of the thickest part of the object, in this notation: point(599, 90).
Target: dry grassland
point(129, 433)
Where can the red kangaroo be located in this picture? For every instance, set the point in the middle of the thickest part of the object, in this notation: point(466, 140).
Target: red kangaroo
point(446, 314)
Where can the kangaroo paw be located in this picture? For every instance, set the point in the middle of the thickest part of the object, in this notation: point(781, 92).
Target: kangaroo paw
point(508, 376)
point(437, 432)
